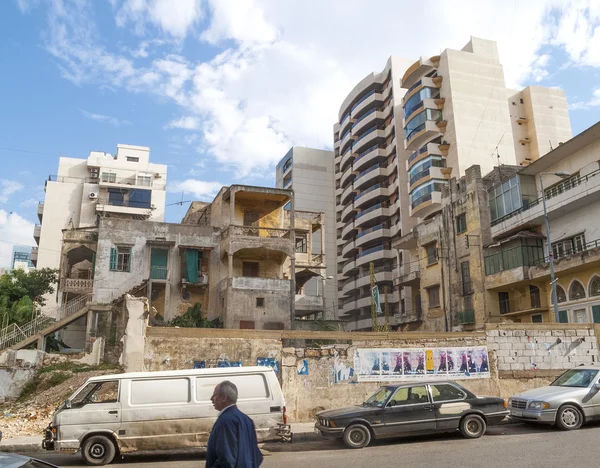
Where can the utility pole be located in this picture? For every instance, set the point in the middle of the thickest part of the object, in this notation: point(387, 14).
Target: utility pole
point(375, 324)
point(386, 326)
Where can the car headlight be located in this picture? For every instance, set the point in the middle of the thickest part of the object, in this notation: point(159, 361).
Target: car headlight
point(510, 402)
point(539, 405)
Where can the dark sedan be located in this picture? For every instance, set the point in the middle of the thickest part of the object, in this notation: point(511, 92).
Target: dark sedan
point(12, 460)
point(412, 409)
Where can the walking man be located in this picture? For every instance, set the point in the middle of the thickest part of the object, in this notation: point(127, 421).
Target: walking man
point(232, 442)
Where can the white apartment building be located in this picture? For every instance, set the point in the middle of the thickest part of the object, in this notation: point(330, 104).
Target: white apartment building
point(309, 173)
point(126, 185)
point(402, 134)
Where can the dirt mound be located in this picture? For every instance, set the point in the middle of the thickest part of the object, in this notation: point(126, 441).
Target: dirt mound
point(33, 411)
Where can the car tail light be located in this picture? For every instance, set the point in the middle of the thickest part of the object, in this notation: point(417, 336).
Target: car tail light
point(284, 415)
point(505, 403)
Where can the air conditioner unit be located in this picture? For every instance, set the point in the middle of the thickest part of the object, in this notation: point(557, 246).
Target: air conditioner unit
point(94, 175)
point(203, 279)
point(93, 195)
point(157, 175)
point(94, 170)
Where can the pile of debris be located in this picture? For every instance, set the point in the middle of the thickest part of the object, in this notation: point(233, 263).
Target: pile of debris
point(32, 413)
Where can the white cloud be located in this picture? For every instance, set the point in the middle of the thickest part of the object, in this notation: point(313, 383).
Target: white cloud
point(8, 188)
point(202, 190)
point(29, 203)
point(175, 18)
point(105, 119)
point(594, 101)
point(186, 123)
point(14, 230)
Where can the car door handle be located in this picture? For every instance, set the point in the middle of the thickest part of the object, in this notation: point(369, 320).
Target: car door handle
point(113, 412)
point(429, 407)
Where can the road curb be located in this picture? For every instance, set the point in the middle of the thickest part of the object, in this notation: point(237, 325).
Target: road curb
point(22, 448)
point(305, 437)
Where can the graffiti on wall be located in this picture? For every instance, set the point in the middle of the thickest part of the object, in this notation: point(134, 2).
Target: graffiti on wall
point(268, 362)
point(393, 364)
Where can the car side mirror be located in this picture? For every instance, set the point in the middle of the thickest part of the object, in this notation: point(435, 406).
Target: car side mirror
point(68, 404)
point(597, 385)
point(392, 403)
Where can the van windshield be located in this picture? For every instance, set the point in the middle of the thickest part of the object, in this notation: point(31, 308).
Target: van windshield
point(575, 378)
point(97, 392)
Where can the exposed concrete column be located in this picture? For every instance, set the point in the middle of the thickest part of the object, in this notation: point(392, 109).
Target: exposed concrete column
point(292, 264)
point(230, 265)
point(41, 343)
point(232, 207)
point(322, 239)
point(88, 327)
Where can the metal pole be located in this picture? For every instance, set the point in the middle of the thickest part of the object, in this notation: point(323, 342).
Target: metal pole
point(549, 252)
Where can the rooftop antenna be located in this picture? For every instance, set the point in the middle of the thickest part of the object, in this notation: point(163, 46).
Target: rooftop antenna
point(180, 203)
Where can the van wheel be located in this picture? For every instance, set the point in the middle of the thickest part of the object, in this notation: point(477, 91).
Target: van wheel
point(472, 426)
point(98, 450)
point(357, 436)
point(569, 417)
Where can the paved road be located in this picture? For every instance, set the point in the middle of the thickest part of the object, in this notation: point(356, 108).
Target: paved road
point(515, 446)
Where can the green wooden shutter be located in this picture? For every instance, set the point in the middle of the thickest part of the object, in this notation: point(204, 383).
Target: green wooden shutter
point(191, 265)
point(113, 259)
point(563, 316)
point(596, 313)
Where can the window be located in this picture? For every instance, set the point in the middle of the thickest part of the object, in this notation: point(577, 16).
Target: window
point(116, 197)
point(444, 392)
point(433, 296)
point(249, 386)
point(535, 297)
point(560, 294)
point(247, 324)
point(461, 223)
point(409, 396)
point(133, 159)
point(97, 392)
point(568, 246)
point(563, 316)
point(467, 287)
point(273, 326)
point(301, 243)
point(109, 177)
point(431, 253)
point(580, 316)
point(160, 391)
point(562, 186)
point(505, 198)
point(596, 313)
point(144, 180)
point(260, 302)
point(503, 302)
point(521, 100)
point(537, 318)
point(576, 291)
point(140, 198)
point(250, 269)
point(120, 259)
point(594, 289)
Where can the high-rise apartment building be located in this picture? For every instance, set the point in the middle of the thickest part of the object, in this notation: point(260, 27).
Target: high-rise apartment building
point(126, 185)
point(21, 257)
point(402, 134)
point(310, 174)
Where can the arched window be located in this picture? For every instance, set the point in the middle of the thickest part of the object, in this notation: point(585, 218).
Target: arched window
point(560, 294)
point(594, 289)
point(576, 291)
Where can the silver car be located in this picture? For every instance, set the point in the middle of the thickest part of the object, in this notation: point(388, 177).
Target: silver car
point(569, 401)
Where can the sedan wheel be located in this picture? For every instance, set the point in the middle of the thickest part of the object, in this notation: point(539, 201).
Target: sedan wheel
point(569, 417)
point(357, 436)
point(472, 426)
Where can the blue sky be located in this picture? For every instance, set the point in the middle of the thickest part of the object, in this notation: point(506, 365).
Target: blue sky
point(219, 90)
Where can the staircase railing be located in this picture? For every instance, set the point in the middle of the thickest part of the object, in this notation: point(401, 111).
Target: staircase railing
point(13, 333)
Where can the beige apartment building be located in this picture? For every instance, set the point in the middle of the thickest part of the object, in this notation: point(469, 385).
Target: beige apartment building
point(403, 133)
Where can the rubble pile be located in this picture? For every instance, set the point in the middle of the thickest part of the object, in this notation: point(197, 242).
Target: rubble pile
point(30, 416)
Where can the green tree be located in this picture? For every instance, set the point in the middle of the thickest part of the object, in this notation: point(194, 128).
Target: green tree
point(192, 318)
point(21, 292)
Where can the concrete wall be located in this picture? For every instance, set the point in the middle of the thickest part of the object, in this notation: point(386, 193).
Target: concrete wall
point(513, 351)
point(17, 368)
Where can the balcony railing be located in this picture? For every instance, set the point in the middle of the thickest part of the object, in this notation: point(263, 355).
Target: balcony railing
point(366, 96)
point(273, 233)
point(369, 210)
point(466, 317)
point(125, 203)
point(370, 230)
point(366, 114)
point(366, 133)
point(416, 85)
point(416, 154)
point(418, 176)
point(416, 130)
point(421, 200)
point(158, 272)
point(370, 189)
point(76, 285)
point(523, 255)
point(365, 152)
point(530, 204)
point(366, 171)
point(371, 250)
point(534, 301)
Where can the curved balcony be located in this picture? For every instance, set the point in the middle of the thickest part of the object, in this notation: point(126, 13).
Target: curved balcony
point(374, 254)
point(371, 215)
point(340, 225)
point(428, 149)
point(426, 204)
point(370, 176)
point(368, 157)
point(348, 231)
point(340, 242)
point(426, 103)
point(348, 288)
point(389, 129)
point(345, 124)
point(347, 177)
point(346, 141)
point(417, 70)
point(376, 193)
point(380, 277)
point(348, 307)
point(349, 267)
point(389, 149)
point(368, 119)
point(347, 159)
point(349, 250)
point(367, 139)
point(367, 100)
point(338, 175)
point(372, 234)
point(339, 191)
point(348, 194)
point(336, 144)
point(424, 132)
point(426, 175)
point(348, 212)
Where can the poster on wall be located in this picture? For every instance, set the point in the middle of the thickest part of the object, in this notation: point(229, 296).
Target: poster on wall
point(395, 365)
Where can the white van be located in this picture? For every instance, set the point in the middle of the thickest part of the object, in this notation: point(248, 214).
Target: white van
point(125, 413)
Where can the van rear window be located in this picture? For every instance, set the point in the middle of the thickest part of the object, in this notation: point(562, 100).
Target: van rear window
point(249, 386)
point(160, 391)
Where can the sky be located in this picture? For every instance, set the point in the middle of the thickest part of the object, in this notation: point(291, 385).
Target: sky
point(221, 89)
